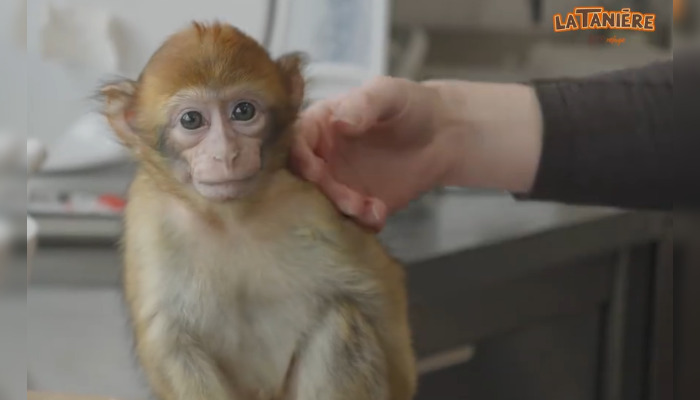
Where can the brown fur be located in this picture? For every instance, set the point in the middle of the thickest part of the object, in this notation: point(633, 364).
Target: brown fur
point(274, 296)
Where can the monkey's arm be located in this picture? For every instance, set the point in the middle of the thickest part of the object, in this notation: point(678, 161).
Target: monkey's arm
point(177, 367)
point(342, 360)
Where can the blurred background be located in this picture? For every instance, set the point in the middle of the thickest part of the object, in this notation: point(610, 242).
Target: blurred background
point(509, 300)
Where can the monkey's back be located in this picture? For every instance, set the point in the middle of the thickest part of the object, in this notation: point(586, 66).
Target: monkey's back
point(253, 287)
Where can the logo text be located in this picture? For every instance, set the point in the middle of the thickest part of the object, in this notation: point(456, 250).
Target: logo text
point(584, 18)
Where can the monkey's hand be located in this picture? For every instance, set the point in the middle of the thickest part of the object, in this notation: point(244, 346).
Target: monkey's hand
point(342, 360)
point(178, 369)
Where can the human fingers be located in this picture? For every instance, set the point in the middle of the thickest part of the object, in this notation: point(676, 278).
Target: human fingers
point(374, 214)
point(310, 147)
point(306, 157)
point(303, 161)
point(347, 200)
point(368, 212)
point(378, 100)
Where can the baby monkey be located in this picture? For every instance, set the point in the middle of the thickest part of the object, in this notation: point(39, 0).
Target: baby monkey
point(244, 282)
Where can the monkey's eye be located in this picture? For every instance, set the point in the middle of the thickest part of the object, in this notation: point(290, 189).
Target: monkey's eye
point(192, 120)
point(243, 111)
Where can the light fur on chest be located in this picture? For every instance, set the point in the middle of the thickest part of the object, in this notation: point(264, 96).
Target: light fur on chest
point(250, 302)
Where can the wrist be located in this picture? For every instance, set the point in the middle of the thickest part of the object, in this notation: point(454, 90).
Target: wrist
point(450, 125)
point(489, 133)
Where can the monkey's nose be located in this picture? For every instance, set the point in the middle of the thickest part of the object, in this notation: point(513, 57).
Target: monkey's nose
point(231, 158)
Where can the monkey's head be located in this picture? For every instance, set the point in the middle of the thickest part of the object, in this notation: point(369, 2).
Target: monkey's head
point(211, 112)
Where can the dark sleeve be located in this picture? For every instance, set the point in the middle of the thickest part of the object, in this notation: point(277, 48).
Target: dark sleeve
point(607, 139)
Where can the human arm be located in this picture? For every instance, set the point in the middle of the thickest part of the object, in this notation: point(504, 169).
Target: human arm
point(604, 139)
point(607, 139)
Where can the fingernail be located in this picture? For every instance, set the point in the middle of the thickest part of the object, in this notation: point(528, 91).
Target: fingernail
point(312, 173)
point(345, 207)
point(376, 210)
point(309, 171)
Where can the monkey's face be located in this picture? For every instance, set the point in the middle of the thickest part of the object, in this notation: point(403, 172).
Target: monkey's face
point(209, 110)
point(217, 141)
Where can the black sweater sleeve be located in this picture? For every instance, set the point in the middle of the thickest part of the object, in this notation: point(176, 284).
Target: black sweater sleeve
point(608, 139)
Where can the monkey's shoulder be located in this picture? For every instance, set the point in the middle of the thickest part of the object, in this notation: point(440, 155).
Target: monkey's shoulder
point(292, 222)
point(311, 217)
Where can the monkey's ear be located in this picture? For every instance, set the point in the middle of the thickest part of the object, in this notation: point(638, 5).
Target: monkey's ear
point(291, 66)
point(116, 98)
point(117, 95)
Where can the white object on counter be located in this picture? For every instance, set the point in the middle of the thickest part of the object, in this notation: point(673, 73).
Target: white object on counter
point(62, 91)
point(88, 143)
point(79, 37)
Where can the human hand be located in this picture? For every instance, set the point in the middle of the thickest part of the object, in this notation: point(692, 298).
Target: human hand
point(374, 149)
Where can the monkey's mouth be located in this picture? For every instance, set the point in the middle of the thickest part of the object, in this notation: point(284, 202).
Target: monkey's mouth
point(226, 182)
point(228, 189)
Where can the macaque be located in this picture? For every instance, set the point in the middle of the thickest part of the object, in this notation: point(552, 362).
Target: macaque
point(243, 281)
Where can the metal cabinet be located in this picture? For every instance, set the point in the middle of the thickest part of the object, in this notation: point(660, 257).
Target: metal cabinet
point(586, 324)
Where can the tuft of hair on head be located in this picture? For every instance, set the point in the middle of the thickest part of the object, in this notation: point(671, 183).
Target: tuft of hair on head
point(214, 28)
point(219, 32)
